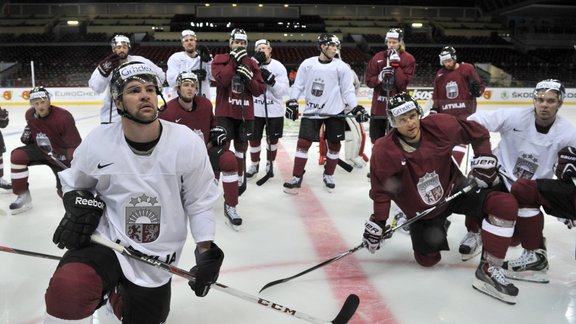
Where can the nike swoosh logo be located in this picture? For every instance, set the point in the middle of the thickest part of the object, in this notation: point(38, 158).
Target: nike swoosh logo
point(248, 134)
point(100, 166)
point(516, 130)
point(178, 120)
point(403, 162)
point(338, 135)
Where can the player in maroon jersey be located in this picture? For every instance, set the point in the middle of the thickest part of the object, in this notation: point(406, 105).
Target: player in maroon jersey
point(196, 113)
point(413, 167)
point(3, 123)
point(389, 72)
point(238, 79)
point(50, 138)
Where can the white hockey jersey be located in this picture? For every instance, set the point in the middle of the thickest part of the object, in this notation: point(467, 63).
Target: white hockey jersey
point(100, 84)
point(326, 86)
point(523, 152)
point(179, 62)
point(149, 199)
point(274, 94)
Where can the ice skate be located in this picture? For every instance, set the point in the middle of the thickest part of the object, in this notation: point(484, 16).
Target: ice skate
point(531, 266)
point(293, 186)
point(22, 203)
point(233, 220)
point(490, 279)
point(252, 171)
point(470, 246)
point(400, 219)
point(328, 182)
point(7, 186)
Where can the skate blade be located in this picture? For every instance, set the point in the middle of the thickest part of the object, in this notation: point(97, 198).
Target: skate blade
point(251, 176)
point(529, 276)
point(21, 209)
point(329, 190)
point(489, 290)
point(291, 191)
point(466, 257)
point(235, 228)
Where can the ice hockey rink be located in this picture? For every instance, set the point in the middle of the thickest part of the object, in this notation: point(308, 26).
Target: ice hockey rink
point(283, 235)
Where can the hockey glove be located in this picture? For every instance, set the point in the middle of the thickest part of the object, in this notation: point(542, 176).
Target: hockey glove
point(108, 64)
point(361, 114)
point(474, 88)
point(201, 74)
point(484, 171)
point(260, 57)
point(268, 77)
point(570, 223)
point(386, 73)
point(238, 54)
point(374, 234)
point(291, 109)
point(3, 118)
point(83, 212)
point(26, 137)
point(565, 167)
point(394, 58)
point(43, 143)
point(204, 53)
point(218, 136)
point(245, 73)
point(206, 270)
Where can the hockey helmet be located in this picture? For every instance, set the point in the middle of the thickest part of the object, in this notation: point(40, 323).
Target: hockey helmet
point(131, 71)
point(401, 104)
point(261, 42)
point(186, 75)
point(187, 32)
point(120, 40)
point(447, 52)
point(238, 34)
point(39, 93)
point(328, 39)
point(551, 84)
point(395, 33)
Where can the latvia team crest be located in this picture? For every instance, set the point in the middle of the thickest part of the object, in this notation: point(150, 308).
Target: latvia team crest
point(452, 90)
point(317, 87)
point(430, 189)
point(525, 166)
point(143, 219)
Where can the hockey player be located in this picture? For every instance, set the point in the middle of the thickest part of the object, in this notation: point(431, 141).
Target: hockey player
point(137, 183)
point(327, 85)
point(268, 108)
point(194, 58)
point(100, 78)
point(3, 123)
point(196, 112)
point(238, 79)
point(49, 137)
point(389, 72)
point(456, 87)
point(412, 166)
point(529, 141)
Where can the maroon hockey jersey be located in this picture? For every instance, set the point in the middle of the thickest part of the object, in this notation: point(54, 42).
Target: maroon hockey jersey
point(420, 179)
point(451, 93)
point(200, 119)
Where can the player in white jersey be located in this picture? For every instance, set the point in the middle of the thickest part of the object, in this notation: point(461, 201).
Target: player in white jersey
point(100, 78)
point(327, 85)
point(137, 183)
point(530, 141)
point(268, 108)
point(194, 58)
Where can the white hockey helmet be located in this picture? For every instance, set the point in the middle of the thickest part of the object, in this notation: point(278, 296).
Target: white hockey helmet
point(187, 32)
point(395, 33)
point(39, 93)
point(399, 105)
point(119, 40)
point(132, 71)
point(551, 84)
point(186, 75)
point(261, 42)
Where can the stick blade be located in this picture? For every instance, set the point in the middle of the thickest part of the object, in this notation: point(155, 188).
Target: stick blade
point(348, 310)
point(265, 178)
point(345, 166)
point(272, 283)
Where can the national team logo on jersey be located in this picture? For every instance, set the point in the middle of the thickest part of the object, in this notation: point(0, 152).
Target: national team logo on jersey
point(430, 188)
point(451, 90)
point(317, 87)
point(525, 166)
point(143, 219)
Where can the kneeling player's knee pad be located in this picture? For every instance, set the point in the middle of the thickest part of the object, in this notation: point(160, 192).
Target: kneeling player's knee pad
point(228, 162)
point(19, 156)
point(526, 193)
point(501, 205)
point(74, 292)
point(428, 259)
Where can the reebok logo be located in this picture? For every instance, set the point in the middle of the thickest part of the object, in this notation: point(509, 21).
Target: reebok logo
point(100, 166)
point(516, 129)
point(89, 202)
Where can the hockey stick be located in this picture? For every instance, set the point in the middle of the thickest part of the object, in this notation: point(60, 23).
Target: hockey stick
point(346, 312)
point(44, 145)
point(270, 173)
point(387, 234)
point(345, 165)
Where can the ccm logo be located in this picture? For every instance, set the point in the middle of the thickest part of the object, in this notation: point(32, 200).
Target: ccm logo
point(275, 306)
point(89, 202)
